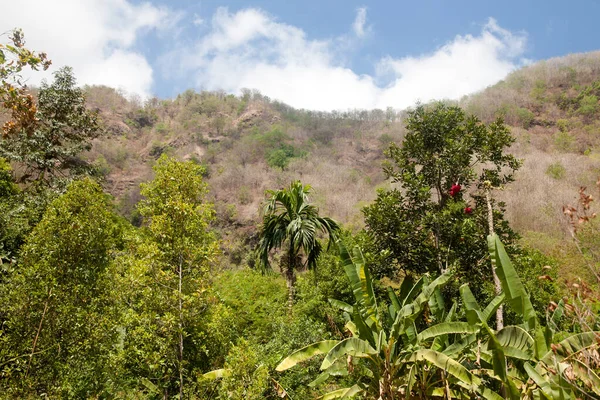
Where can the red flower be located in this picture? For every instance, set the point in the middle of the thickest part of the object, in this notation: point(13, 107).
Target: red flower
point(454, 190)
point(468, 210)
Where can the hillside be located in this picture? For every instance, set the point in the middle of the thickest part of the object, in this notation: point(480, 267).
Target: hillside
point(250, 144)
point(161, 303)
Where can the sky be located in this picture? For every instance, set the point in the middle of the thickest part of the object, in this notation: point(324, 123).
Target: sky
point(320, 55)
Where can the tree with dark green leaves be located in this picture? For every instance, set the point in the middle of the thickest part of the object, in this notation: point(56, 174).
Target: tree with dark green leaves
point(10, 228)
point(64, 128)
point(57, 329)
point(290, 222)
point(428, 223)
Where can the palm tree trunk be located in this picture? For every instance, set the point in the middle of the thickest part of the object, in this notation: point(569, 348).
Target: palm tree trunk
point(289, 276)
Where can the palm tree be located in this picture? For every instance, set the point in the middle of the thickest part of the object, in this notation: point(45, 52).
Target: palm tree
point(290, 220)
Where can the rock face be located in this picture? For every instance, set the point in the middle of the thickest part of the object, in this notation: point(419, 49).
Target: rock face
point(247, 119)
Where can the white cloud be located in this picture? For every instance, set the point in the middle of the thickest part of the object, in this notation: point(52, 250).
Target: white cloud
point(359, 22)
point(198, 20)
point(95, 37)
point(250, 48)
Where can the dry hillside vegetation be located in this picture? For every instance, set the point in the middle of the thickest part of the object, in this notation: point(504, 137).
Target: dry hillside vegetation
point(249, 144)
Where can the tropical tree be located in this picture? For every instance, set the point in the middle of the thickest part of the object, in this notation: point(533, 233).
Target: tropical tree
point(429, 223)
point(387, 342)
point(400, 357)
point(182, 248)
point(530, 360)
point(291, 222)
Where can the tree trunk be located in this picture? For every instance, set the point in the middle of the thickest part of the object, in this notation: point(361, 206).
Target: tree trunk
point(289, 277)
point(37, 335)
point(180, 329)
point(497, 285)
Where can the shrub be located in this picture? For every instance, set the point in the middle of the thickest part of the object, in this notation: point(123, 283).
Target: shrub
point(564, 141)
point(556, 170)
point(563, 125)
point(538, 91)
point(244, 195)
point(279, 159)
point(101, 166)
point(588, 105)
point(525, 117)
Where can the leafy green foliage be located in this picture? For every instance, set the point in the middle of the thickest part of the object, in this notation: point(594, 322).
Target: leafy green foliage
point(290, 220)
point(384, 350)
point(429, 225)
point(64, 128)
point(57, 331)
point(173, 263)
point(564, 141)
point(247, 377)
point(389, 355)
point(556, 170)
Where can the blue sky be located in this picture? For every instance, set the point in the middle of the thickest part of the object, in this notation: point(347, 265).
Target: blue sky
point(310, 54)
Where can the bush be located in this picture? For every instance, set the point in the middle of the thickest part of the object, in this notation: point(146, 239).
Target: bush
point(525, 117)
point(563, 125)
point(556, 170)
point(588, 105)
point(539, 90)
point(279, 159)
point(244, 195)
point(101, 166)
point(564, 141)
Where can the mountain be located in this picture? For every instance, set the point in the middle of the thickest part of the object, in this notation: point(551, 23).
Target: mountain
point(249, 144)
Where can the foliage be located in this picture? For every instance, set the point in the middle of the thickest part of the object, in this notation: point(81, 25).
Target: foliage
point(14, 57)
point(58, 332)
point(525, 117)
point(174, 262)
point(278, 158)
point(257, 302)
point(383, 352)
point(290, 220)
point(428, 224)
point(247, 377)
point(556, 170)
point(390, 355)
point(564, 141)
point(588, 105)
point(11, 227)
point(64, 128)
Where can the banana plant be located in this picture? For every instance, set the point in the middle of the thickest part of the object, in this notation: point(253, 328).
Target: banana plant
point(527, 360)
point(385, 341)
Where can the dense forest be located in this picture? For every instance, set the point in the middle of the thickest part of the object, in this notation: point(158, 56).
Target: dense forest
point(215, 246)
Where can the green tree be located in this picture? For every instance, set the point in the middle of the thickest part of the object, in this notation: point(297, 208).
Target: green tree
point(247, 378)
point(10, 228)
point(64, 128)
point(58, 324)
point(428, 224)
point(178, 224)
point(291, 222)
